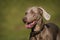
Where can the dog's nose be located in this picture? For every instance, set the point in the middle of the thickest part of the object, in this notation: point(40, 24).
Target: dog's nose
point(24, 19)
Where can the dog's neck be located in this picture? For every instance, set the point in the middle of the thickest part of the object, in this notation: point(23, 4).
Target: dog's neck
point(38, 26)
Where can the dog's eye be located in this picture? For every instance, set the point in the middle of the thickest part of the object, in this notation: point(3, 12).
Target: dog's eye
point(33, 13)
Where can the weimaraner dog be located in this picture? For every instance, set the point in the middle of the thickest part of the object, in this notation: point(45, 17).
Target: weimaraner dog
point(39, 29)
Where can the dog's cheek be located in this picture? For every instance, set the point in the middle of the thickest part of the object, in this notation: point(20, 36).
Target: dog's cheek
point(30, 18)
point(34, 16)
point(37, 16)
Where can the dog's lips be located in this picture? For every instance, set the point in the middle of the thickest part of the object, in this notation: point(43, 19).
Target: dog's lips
point(30, 25)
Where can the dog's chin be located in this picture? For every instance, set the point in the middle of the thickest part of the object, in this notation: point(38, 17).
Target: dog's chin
point(30, 25)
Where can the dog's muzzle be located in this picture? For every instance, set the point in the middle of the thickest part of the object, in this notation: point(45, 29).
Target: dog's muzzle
point(24, 19)
point(29, 24)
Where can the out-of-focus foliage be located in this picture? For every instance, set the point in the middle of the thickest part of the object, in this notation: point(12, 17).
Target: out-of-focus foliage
point(12, 12)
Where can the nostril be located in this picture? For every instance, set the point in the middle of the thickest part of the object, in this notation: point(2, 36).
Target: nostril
point(24, 19)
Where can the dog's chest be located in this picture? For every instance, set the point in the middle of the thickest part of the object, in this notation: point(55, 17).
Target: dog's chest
point(43, 35)
point(38, 37)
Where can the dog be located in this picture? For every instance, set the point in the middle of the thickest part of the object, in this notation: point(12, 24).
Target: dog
point(33, 20)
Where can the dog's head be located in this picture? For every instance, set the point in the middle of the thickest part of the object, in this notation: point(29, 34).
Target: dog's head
point(33, 14)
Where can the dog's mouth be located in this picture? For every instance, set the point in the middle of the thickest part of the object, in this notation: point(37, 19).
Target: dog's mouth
point(30, 24)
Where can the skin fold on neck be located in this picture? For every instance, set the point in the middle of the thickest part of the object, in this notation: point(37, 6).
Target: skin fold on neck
point(39, 25)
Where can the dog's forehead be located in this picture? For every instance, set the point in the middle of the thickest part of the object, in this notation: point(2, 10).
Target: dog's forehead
point(34, 9)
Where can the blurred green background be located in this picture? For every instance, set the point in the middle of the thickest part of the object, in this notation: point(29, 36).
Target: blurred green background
point(12, 12)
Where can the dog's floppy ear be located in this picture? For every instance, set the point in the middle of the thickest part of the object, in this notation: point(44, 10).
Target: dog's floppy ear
point(45, 14)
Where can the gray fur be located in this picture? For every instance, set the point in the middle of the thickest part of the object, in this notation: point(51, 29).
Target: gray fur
point(41, 31)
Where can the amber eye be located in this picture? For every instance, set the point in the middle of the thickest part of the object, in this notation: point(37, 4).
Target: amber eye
point(34, 15)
